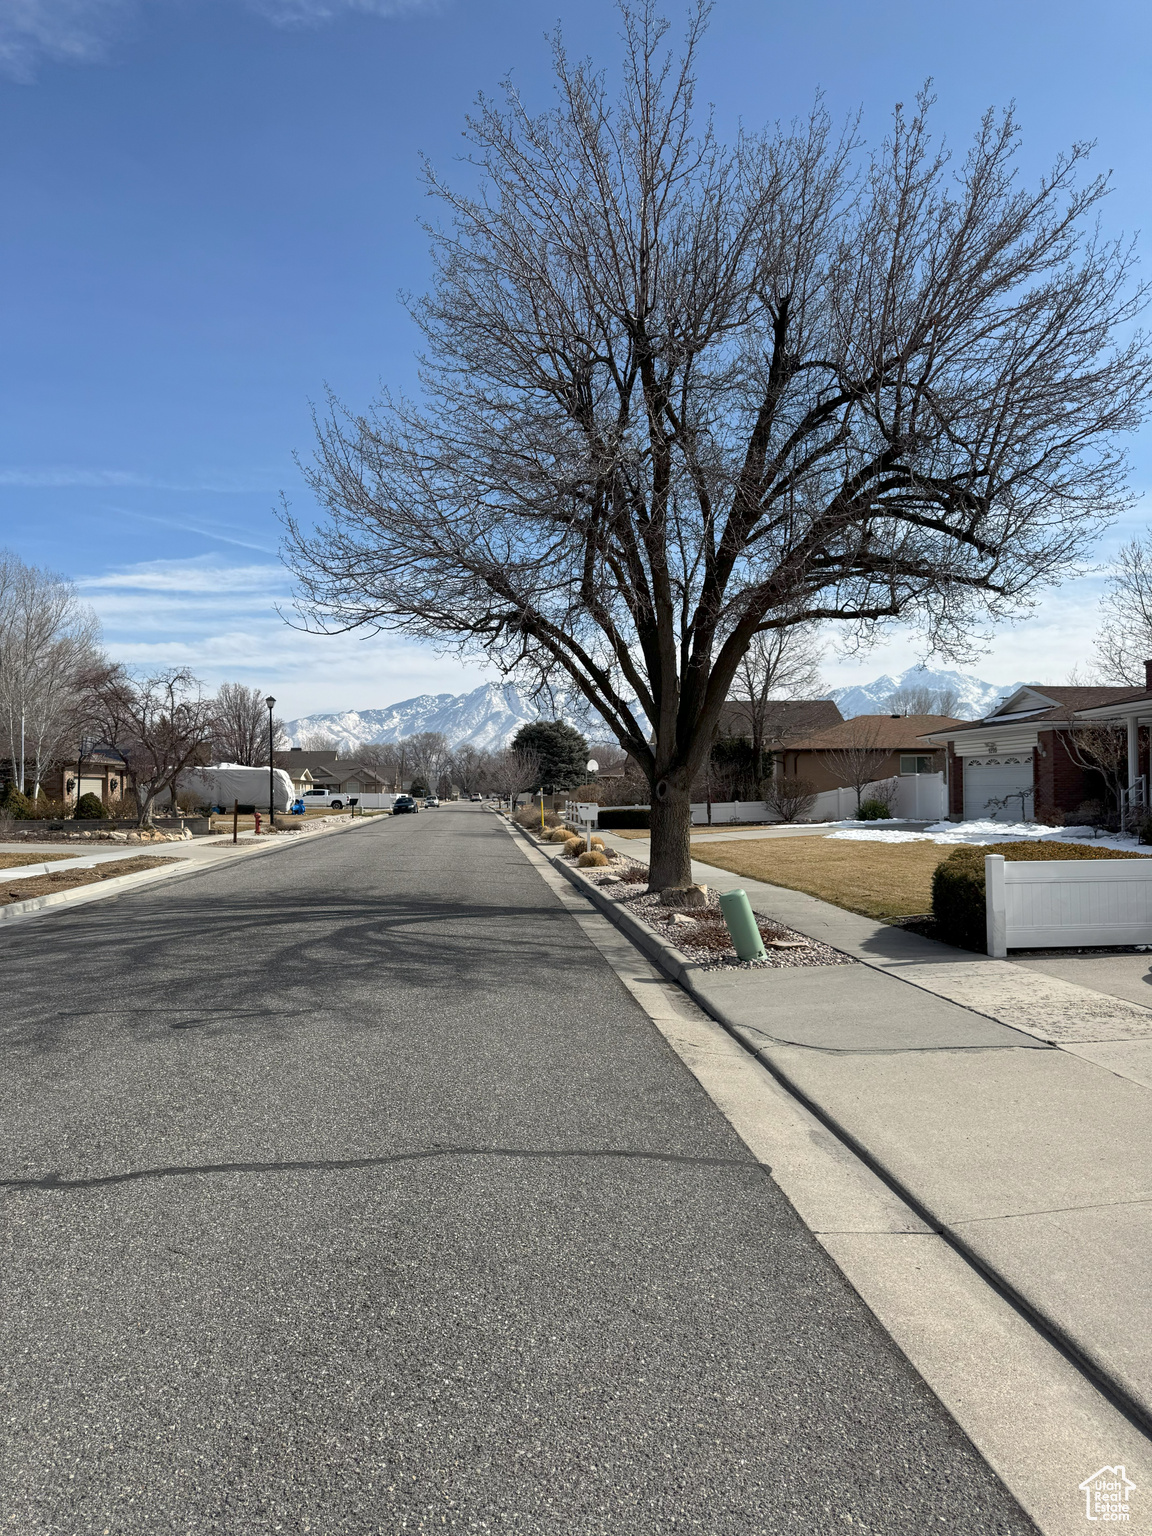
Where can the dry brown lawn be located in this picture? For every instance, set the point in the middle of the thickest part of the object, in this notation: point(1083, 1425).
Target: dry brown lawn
point(18, 860)
point(69, 879)
point(881, 880)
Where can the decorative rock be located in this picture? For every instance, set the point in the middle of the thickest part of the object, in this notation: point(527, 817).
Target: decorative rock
point(685, 896)
point(682, 920)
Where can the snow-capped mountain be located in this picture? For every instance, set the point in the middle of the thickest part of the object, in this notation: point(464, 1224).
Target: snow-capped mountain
point(975, 697)
point(487, 717)
point(491, 715)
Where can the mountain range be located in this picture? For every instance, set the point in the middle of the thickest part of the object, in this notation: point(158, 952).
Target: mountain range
point(975, 697)
point(491, 715)
point(487, 717)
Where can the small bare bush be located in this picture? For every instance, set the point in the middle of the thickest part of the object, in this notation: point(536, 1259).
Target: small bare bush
point(789, 798)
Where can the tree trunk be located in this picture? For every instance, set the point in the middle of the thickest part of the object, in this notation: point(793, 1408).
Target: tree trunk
point(669, 861)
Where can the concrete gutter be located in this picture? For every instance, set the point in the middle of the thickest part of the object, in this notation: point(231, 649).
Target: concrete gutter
point(1028, 1160)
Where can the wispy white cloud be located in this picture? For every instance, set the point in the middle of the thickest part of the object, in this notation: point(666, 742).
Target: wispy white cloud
point(83, 31)
point(63, 477)
point(221, 621)
point(192, 577)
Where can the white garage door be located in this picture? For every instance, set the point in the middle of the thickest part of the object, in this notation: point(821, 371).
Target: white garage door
point(998, 788)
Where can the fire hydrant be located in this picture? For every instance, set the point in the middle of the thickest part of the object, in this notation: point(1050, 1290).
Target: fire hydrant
point(256, 818)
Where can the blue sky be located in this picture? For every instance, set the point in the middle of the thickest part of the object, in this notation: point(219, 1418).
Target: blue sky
point(211, 207)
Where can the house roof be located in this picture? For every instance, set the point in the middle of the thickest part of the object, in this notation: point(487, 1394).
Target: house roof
point(784, 718)
point(299, 760)
point(1042, 706)
point(889, 733)
point(325, 767)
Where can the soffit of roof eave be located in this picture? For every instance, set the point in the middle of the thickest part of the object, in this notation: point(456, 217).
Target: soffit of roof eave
point(1141, 708)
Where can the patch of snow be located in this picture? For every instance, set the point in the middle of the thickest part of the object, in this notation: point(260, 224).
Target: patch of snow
point(979, 833)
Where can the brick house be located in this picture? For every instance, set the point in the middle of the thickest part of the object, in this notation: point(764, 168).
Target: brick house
point(1015, 764)
point(897, 740)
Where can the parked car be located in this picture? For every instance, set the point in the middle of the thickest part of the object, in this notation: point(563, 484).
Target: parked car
point(476, 797)
point(404, 805)
point(432, 803)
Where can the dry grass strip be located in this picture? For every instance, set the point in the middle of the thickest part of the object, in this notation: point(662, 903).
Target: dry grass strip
point(879, 880)
point(69, 879)
point(19, 860)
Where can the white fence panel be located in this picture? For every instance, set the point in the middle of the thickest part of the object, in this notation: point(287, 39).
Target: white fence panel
point(724, 811)
point(1064, 903)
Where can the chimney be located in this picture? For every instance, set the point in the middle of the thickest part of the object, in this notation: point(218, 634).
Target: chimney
point(1148, 676)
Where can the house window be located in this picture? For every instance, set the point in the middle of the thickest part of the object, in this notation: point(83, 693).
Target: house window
point(910, 764)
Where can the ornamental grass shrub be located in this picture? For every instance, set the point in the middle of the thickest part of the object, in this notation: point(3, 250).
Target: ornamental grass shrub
point(958, 899)
point(593, 860)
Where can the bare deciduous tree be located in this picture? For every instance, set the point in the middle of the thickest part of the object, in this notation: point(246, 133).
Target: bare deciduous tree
point(856, 762)
point(918, 699)
point(677, 395)
point(318, 741)
point(160, 726)
point(470, 768)
point(240, 731)
point(1124, 641)
point(516, 770)
point(48, 644)
point(778, 665)
point(1102, 749)
point(428, 754)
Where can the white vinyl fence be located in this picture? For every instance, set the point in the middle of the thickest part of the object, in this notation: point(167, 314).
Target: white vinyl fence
point(915, 797)
point(1062, 903)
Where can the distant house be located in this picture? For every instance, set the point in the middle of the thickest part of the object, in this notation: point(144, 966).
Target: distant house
point(1016, 765)
point(310, 771)
point(894, 743)
point(98, 771)
point(784, 720)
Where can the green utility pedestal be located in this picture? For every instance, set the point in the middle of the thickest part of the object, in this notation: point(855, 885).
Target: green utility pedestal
point(741, 923)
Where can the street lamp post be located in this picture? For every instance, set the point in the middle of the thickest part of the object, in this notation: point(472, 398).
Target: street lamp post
point(271, 703)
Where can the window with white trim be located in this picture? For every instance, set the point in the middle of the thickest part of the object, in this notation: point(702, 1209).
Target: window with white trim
point(911, 764)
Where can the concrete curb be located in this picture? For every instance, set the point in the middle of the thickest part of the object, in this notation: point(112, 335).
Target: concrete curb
point(85, 893)
point(101, 890)
point(693, 979)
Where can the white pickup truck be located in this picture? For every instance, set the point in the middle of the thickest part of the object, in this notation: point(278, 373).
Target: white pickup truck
point(340, 800)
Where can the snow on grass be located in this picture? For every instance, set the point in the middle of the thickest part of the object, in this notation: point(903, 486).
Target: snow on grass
point(977, 833)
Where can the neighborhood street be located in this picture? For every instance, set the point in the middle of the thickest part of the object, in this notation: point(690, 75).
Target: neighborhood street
point(347, 1190)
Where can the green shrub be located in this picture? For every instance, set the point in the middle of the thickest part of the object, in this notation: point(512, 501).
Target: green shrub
point(90, 808)
point(14, 804)
point(958, 903)
point(873, 810)
point(611, 818)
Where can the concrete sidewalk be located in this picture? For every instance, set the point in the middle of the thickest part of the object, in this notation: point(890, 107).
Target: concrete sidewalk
point(1009, 1105)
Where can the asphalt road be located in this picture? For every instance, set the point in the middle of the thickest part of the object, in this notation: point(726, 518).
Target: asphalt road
point(346, 1190)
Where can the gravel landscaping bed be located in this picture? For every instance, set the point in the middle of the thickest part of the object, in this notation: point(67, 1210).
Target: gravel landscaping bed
point(701, 934)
